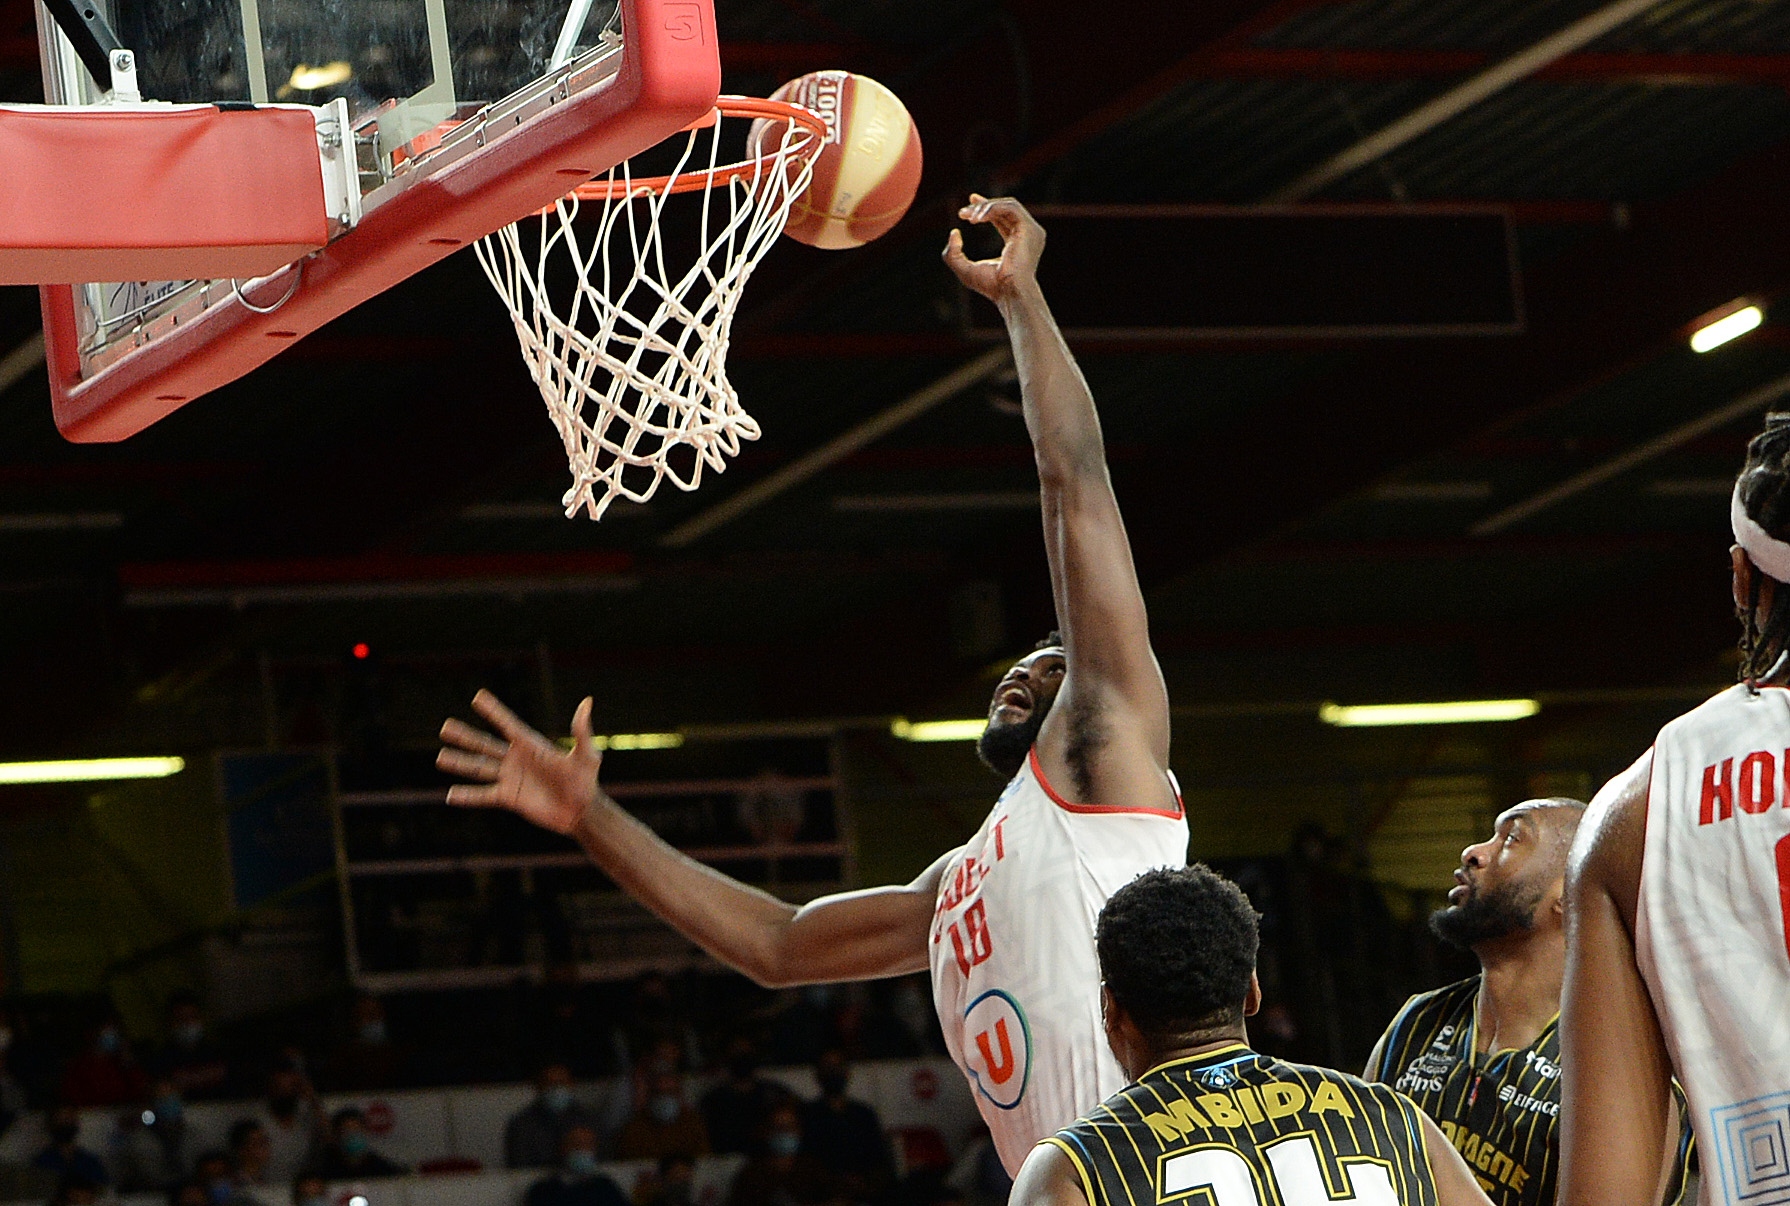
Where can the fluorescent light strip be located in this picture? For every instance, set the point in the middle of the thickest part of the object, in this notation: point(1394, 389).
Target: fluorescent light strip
point(939, 730)
point(1726, 330)
point(632, 741)
point(90, 770)
point(1467, 711)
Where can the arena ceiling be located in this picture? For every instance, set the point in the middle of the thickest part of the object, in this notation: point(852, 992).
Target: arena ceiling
point(1540, 514)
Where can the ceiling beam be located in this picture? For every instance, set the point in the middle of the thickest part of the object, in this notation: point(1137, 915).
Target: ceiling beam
point(1619, 296)
point(1457, 100)
point(1282, 62)
point(973, 372)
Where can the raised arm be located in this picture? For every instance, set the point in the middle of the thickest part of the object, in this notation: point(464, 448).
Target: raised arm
point(1112, 676)
point(1616, 1111)
point(862, 935)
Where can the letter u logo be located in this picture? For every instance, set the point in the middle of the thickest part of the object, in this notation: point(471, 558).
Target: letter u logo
point(1000, 1071)
point(996, 1030)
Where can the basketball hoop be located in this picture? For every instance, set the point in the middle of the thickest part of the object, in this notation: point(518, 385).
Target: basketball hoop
point(631, 359)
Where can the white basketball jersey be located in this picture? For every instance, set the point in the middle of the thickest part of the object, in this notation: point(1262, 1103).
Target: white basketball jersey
point(1710, 933)
point(1014, 973)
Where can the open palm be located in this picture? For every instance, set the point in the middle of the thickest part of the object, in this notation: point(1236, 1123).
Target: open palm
point(521, 771)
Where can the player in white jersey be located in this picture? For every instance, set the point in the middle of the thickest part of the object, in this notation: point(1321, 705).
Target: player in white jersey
point(1080, 727)
point(1678, 909)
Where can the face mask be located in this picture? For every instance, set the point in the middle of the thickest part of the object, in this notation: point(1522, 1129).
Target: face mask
point(188, 1034)
point(108, 1041)
point(557, 1098)
point(373, 1033)
point(64, 1132)
point(832, 1084)
point(354, 1144)
point(581, 1164)
point(168, 1109)
point(665, 1108)
point(784, 1143)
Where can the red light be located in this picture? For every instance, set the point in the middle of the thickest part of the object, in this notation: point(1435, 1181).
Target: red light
point(362, 651)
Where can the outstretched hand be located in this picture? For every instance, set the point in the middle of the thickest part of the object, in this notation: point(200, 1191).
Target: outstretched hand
point(1022, 243)
point(523, 771)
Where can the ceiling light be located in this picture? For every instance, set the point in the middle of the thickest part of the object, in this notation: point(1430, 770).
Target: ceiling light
point(938, 730)
point(631, 741)
point(89, 770)
point(1726, 329)
point(306, 78)
point(1466, 711)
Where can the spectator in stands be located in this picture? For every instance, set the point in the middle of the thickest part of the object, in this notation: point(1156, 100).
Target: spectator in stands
point(250, 1150)
point(105, 1073)
point(13, 1095)
point(655, 1015)
point(578, 1182)
point(367, 1060)
point(30, 1057)
point(781, 1174)
point(64, 1156)
point(189, 1057)
point(563, 1027)
point(978, 1174)
point(310, 1191)
point(846, 1136)
point(149, 1146)
point(349, 1155)
point(663, 1124)
point(295, 1125)
point(214, 1171)
point(533, 1136)
point(735, 1109)
point(189, 1193)
point(673, 1183)
point(76, 1191)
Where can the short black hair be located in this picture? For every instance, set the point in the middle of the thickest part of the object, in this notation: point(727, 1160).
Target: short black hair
point(1177, 949)
point(1053, 641)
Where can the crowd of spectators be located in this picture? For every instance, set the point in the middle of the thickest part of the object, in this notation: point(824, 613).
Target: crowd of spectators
point(828, 1151)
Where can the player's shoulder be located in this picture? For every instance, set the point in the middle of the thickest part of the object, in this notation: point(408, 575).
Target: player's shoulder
point(1445, 1005)
point(1718, 711)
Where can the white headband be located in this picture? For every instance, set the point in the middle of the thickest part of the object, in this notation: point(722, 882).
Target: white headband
point(1770, 554)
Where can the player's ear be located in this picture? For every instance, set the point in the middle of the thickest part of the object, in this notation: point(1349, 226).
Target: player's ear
point(1252, 1000)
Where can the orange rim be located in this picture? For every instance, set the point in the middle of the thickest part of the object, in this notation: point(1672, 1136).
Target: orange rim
point(690, 182)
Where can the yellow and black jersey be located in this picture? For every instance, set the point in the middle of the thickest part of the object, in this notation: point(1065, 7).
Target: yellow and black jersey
point(1500, 1109)
point(1240, 1129)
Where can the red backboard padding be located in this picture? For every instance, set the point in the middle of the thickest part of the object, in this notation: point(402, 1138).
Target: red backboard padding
point(157, 194)
point(670, 76)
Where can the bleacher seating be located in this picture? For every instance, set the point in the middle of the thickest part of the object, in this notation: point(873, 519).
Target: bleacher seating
point(466, 1124)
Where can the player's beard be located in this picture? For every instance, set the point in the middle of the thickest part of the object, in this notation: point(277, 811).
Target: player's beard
point(1003, 747)
point(1486, 916)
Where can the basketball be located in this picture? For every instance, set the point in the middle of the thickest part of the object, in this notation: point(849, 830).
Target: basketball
point(866, 175)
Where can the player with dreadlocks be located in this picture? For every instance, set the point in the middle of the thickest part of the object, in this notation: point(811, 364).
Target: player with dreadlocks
point(1079, 728)
point(1678, 914)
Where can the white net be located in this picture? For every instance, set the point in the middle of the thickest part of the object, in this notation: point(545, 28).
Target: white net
point(627, 338)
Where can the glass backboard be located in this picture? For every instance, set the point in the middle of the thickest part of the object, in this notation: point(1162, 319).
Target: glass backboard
point(407, 65)
point(443, 119)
